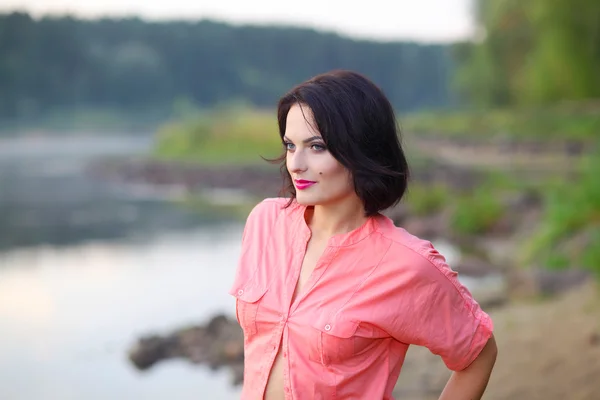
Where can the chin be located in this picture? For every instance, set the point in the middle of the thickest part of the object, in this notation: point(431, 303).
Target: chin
point(320, 199)
point(306, 200)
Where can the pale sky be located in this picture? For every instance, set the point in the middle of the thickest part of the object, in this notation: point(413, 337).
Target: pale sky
point(423, 20)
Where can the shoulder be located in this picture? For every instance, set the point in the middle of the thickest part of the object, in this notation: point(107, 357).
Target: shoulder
point(421, 272)
point(269, 208)
point(414, 256)
point(268, 211)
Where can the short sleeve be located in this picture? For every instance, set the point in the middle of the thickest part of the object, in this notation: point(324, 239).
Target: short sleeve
point(441, 313)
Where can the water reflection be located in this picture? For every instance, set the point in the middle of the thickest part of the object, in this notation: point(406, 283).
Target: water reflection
point(68, 315)
point(46, 197)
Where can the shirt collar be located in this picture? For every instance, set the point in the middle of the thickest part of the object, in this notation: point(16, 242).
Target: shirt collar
point(340, 240)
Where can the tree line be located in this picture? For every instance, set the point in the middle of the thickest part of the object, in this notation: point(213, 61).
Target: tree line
point(528, 52)
point(130, 64)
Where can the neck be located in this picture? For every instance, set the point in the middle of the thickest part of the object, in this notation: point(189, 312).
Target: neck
point(326, 221)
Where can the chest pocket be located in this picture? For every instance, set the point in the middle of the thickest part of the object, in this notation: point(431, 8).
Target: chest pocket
point(333, 342)
point(247, 305)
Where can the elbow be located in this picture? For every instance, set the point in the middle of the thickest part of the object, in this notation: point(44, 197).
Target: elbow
point(489, 353)
point(493, 349)
point(486, 359)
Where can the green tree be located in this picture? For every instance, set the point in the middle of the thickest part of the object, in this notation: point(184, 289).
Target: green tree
point(532, 52)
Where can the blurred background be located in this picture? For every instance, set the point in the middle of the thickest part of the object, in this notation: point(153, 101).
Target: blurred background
point(130, 142)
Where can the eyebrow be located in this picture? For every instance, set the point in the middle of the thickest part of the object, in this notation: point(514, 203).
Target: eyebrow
point(310, 139)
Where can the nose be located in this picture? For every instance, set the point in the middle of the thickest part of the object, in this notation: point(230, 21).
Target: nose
point(296, 162)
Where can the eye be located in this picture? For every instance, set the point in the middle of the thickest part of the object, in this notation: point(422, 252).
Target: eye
point(318, 147)
point(289, 146)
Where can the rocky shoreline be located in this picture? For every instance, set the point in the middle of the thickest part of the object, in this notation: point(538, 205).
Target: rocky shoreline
point(219, 344)
point(260, 180)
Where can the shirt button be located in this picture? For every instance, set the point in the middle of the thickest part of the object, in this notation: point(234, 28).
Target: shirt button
point(240, 292)
point(327, 327)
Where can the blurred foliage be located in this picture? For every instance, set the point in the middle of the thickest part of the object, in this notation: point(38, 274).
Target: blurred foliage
point(537, 66)
point(575, 120)
point(476, 212)
point(133, 65)
point(532, 52)
point(569, 233)
point(225, 136)
point(427, 199)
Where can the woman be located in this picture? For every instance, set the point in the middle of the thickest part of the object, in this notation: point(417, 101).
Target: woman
point(329, 292)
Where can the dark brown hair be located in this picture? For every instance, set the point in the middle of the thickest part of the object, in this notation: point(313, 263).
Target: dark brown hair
point(358, 125)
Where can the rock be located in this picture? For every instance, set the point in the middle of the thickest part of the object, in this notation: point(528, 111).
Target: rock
point(219, 343)
point(489, 291)
point(534, 282)
point(237, 371)
point(255, 180)
point(426, 227)
point(551, 282)
point(233, 351)
point(474, 267)
point(149, 350)
point(217, 325)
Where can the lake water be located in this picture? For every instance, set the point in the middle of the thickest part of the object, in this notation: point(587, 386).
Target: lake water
point(87, 267)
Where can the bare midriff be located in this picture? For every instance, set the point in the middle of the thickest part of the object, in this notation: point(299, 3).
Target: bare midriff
point(275, 389)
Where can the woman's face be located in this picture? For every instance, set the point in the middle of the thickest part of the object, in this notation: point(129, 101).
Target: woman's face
point(318, 177)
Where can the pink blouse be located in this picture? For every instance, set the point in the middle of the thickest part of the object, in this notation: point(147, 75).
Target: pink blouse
point(374, 291)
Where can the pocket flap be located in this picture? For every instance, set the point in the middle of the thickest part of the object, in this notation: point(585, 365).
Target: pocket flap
point(248, 293)
point(339, 327)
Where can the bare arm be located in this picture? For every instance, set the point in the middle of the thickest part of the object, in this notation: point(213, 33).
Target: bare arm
point(470, 383)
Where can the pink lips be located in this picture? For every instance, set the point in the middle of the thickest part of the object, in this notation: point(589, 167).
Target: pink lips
point(301, 184)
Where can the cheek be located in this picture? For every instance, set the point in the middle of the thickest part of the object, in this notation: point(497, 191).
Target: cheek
point(328, 167)
point(336, 176)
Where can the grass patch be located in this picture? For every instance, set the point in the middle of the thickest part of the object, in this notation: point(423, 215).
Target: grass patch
point(570, 226)
point(427, 199)
point(234, 135)
point(580, 121)
point(476, 213)
point(221, 137)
